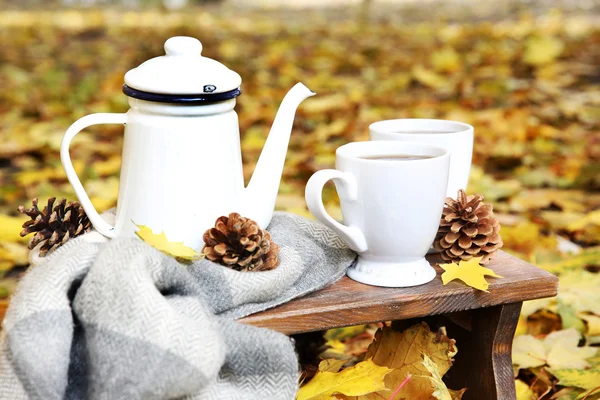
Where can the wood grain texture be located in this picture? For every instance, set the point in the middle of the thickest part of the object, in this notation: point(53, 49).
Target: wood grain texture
point(483, 363)
point(351, 303)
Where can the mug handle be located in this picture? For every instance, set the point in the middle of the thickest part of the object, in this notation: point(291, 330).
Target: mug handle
point(346, 187)
point(93, 119)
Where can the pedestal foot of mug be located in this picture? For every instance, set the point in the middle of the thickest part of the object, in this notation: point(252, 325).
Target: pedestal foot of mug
point(392, 274)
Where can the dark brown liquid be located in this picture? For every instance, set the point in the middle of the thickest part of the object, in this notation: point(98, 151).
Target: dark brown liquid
point(396, 157)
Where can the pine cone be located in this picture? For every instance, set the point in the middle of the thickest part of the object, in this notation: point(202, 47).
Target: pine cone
point(240, 244)
point(55, 225)
point(467, 229)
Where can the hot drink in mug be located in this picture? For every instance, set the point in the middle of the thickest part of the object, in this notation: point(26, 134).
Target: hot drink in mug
point(456, 137)
point(392, 195)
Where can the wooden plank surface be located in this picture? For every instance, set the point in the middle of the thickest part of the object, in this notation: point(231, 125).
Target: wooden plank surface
point(351, 303)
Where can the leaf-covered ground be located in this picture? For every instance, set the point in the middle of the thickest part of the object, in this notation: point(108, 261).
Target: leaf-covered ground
point(528, 83)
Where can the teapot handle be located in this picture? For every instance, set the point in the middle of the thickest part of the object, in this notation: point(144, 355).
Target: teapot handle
point(93, 119)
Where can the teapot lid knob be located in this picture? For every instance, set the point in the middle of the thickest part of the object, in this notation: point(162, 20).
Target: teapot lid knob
point(184, 75)
point(183, 46)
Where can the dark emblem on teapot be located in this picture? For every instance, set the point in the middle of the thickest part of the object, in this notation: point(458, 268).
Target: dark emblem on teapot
point(209, 88)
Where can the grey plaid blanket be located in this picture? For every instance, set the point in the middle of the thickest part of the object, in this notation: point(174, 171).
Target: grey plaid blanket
point(120, 320)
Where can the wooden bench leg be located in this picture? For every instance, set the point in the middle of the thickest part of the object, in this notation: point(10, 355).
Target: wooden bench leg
point(484, 363)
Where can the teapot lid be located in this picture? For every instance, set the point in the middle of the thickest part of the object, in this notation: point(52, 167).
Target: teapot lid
point(183, 75)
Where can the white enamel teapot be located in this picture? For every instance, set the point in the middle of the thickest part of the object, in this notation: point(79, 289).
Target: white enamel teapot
point(182, 165)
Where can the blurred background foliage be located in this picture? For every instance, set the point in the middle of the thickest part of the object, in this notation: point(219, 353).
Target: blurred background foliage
point(525, 74)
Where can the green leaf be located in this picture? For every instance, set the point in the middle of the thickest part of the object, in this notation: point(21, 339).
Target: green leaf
point(581, 378)
point(569, 317)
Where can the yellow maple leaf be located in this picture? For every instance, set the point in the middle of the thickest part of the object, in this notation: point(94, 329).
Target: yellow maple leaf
point(558, 350)
point(582, 378)
point(12, 254)
point(6, 260)
point(592, 323)
point(335, 341)
point(159, 241)
point(524, 392)
point(10, 227)
point(344, 332)
point(108, 167)
point(578, 299)
point(457, 394)
point(591, 218)
point(470, 272)
point(440, 391)
point(332, 365)
point(103, 193)
point(336, 347)
point(542, 50)
point(446, 60)
point(579, 289)
point(536, 199)
point(360, 379)
point(428, 77)
point(570, 261)
point(404, 352)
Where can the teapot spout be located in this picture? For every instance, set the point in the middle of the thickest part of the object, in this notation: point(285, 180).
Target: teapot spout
point(261, 193)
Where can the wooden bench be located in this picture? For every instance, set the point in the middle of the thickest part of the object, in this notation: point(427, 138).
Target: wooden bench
point(483, 324)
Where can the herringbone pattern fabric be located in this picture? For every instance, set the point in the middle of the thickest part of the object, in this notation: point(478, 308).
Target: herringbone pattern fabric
point(120, 320)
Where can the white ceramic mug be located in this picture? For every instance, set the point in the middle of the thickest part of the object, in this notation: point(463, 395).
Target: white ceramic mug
point(391, 208)
point(456, 137)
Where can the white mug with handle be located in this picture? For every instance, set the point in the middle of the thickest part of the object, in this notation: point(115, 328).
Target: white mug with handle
point(454, 136)
point(392, 195)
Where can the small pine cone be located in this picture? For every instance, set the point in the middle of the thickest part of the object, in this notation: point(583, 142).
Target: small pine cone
point(54, 225)
point(240, 244)
point(467, 229)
